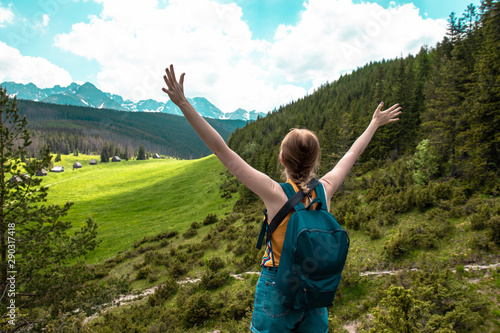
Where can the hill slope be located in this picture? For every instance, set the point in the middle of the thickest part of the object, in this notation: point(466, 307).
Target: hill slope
point(133, 199)
point(67, 128)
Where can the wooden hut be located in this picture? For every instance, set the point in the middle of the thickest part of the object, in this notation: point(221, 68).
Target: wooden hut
point(156, 156)
point(116, 159)
point(19, 179)
point(57, 169)
point(93, 162)
point(15, 179)
point(41, 173)
point(77, 165)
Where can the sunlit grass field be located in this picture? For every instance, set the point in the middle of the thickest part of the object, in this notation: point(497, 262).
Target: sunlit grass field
point(133, 199)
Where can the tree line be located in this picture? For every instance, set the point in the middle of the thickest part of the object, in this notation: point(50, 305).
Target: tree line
point(68, 128)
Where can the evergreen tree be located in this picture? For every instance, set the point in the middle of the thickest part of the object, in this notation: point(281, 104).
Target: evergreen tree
point(104, 154)
point(118, 151)
point(38, 254)
point(481, 140)
point(111, 150)
point(126, 153)
point(141, 155)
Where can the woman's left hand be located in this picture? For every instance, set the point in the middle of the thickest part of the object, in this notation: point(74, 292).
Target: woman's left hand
point(388, 116)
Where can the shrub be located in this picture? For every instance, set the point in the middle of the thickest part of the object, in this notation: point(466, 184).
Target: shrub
point(100, 271)
point(198, 308)
point(163, 293)
point(399, 311)
point(494, 229)
point(351, 221)
point(451, 303)
point(191, 232)
point(210, 219)
point(423, 235)
point(423, 198)
point(177, 269)
point(441, 191)
point(373, 230)
point(143, 272)
point(397, 246)
point(213, 280)
point(215, 264)
point(478, 220)
point(238, 305)
point(389, 218)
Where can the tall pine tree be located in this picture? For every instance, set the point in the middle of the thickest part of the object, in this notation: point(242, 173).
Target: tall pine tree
point(38, 267)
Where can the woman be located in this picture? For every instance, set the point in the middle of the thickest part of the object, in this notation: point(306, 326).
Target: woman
point(299, 155)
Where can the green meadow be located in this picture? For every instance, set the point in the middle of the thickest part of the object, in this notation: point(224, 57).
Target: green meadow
point(133, 199)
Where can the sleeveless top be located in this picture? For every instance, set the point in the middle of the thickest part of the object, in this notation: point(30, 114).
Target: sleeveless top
point(278, 236)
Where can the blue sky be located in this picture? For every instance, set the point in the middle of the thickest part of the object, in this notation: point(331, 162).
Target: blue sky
point(254, 54)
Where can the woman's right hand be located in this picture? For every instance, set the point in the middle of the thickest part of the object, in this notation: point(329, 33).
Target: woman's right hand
point(175, 89)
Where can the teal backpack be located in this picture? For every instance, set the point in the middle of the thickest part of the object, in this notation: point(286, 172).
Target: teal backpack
point(314, 250)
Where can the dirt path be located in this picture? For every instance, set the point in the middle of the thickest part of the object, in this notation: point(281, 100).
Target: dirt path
point(350, 327)
point(466, 268)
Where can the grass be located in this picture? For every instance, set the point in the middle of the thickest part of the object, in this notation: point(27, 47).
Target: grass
point(133, 199)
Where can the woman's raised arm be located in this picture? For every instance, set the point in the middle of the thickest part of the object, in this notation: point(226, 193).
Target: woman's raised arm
point(256, 181)
point(332, 180)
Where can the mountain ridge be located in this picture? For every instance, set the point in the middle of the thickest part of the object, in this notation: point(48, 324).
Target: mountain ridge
point(89, 95)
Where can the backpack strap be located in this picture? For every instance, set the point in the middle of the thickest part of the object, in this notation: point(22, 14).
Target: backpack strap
point(294, 199)
point(283, 212)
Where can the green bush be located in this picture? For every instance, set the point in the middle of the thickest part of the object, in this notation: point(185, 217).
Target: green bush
point(210, 219)
point(423, 198)
point(389, 218)
point(191, 232)
point(215, 264)
point(418, 236)
point(164, 292)
point(177, 269)
point(452, 304)
point(373, 230)
point(479, 220)
point(398, 245)
point(494, 229)
point(399, 311)
point(143, 273)
point(198, 308)
point(213, 280)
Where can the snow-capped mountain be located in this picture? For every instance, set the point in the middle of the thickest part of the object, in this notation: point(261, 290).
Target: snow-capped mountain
point(244, 115)
point(89, 95)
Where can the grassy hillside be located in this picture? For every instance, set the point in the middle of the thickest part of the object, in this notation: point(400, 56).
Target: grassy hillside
point(133, 199)
point(431, 249)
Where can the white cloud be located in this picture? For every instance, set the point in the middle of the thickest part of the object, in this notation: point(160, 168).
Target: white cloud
point(6, 15)
point(336, 36)
point(133, 42)
point(23, 69)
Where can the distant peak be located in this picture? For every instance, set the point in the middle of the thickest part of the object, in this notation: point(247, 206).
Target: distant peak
point(88, 85)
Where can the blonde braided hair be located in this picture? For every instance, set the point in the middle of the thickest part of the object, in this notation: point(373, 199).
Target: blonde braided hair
point(300, 156)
